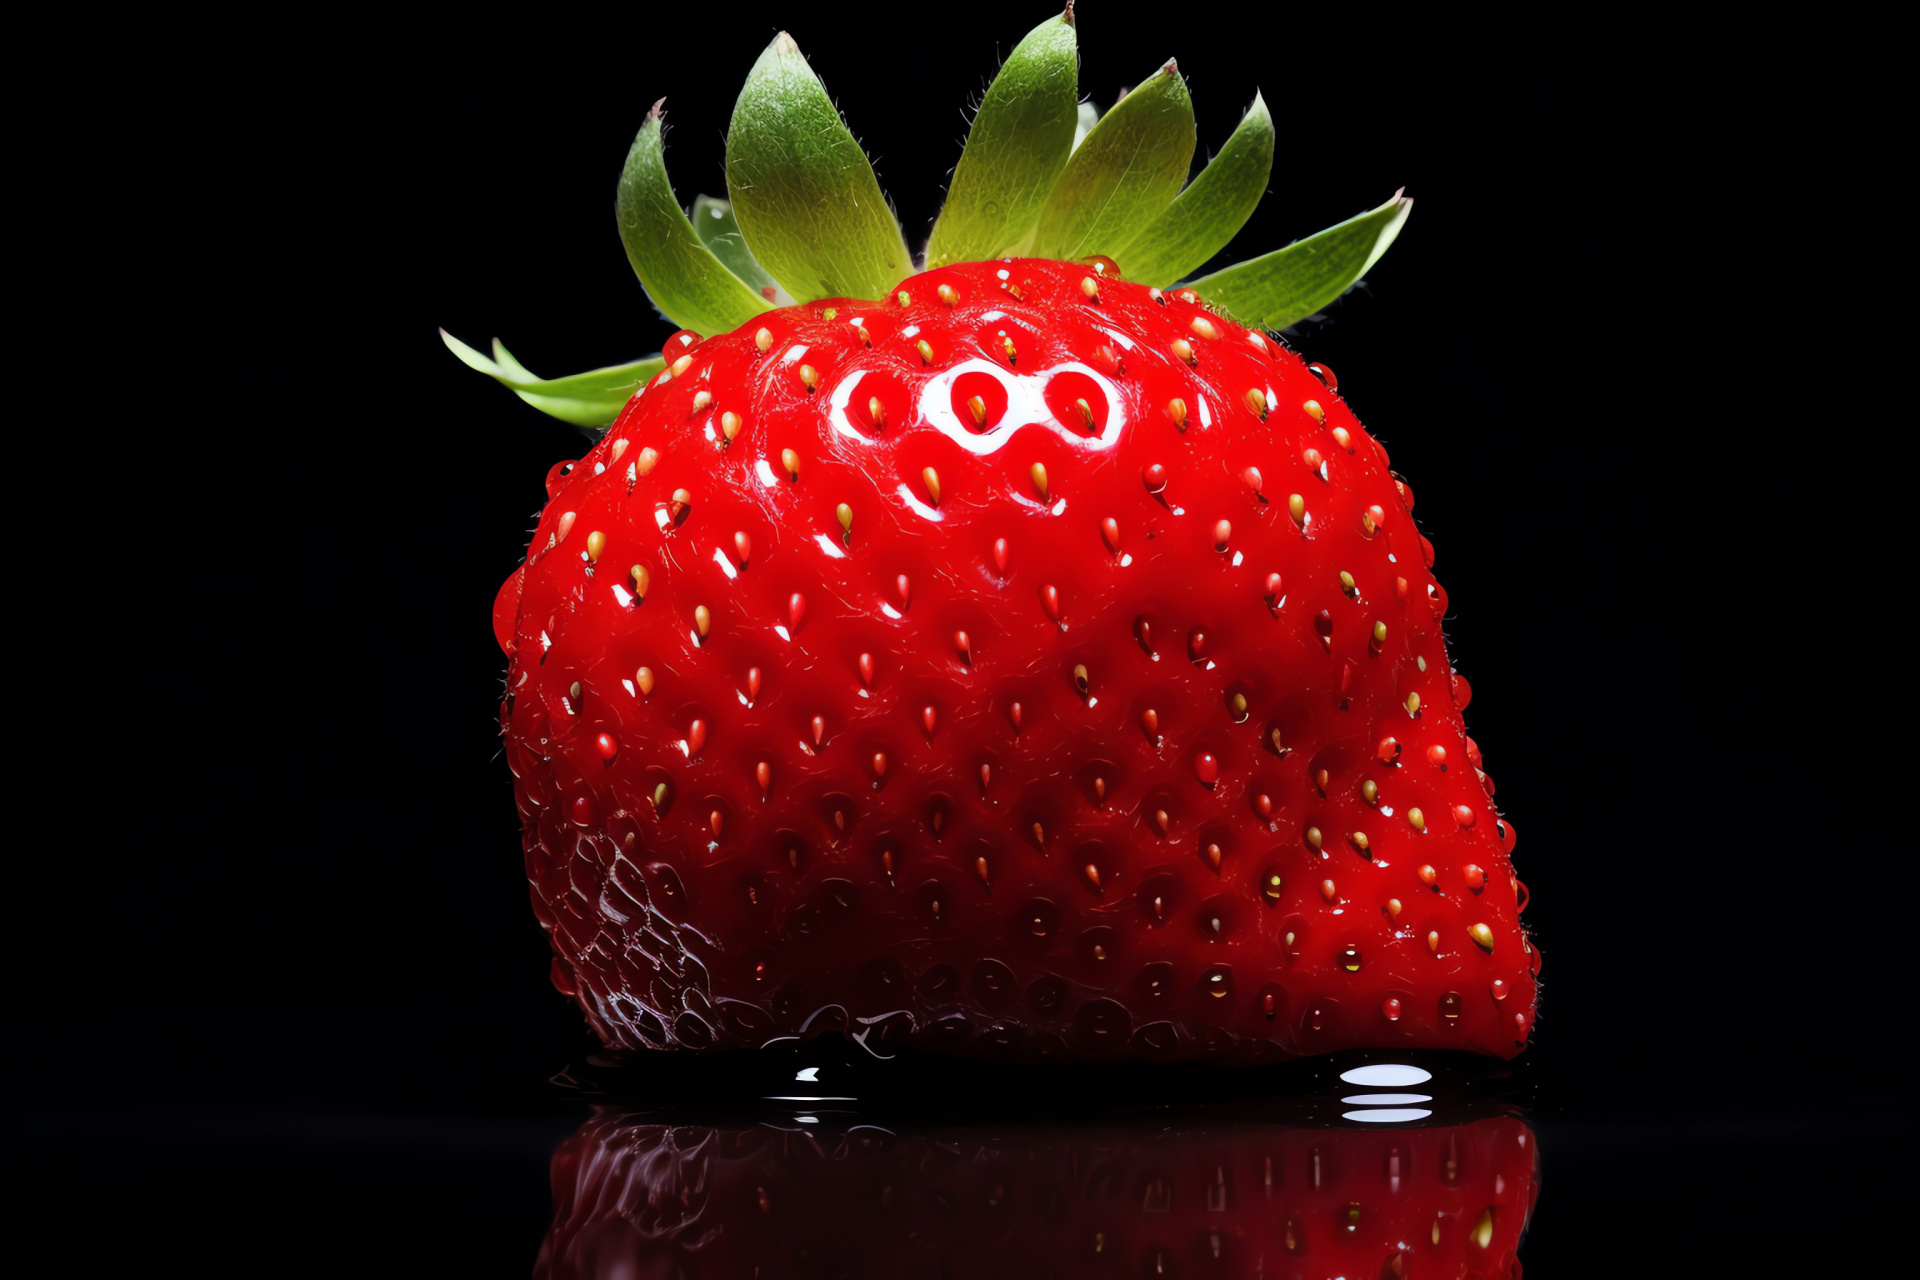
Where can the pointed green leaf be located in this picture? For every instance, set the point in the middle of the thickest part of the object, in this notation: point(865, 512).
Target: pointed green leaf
point(803, 190)
point(1089, 116)
point(1125, 174)
point(719, 230)
point(591, 400)
point(1288, 285)
point(1215, 205)
point(682, 276)
point(1019, 142)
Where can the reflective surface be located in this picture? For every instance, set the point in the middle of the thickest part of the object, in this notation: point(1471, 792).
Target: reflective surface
point(828, 1195)
point(827, 1170)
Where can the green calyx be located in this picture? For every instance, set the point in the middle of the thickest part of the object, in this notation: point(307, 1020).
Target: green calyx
point(1042, 175)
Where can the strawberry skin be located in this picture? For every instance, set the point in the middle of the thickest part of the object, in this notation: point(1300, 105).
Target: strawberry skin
point(633, 1198)
point(1032, 663)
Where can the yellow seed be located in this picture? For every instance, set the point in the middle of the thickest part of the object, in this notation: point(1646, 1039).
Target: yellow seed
point(1040, 478)
point(1006, 344)
point(926, 351)
point(763, 339)
point(702, 619)
point(1343, 439)
point(681, 365)
point(1314, 837)
point(644, 678)
point(932, 478)
point(831, 313)
point(701, 399)
point(947, 294)
point(1314, 410)
point(729, 425)
point(1370, 791)
point(1413, 704)
point(809, 376)
point(681, 498)
point(1183, 350)
point(1177, 410)
point(1257, 401)
point(791, 461)
point(596, 543)
point(1239, 705)
point(1086, 413)
point(1080, 677)
point(1346, 582)
point(1255, 341)
point(1483, 1230)
point(1205, 328)
point(1418, 819)
point(1358, 840)
point(1482, 936)
point(1297, 508)
point(845, 515)
point(904, 298)
point(648, 456)
point(1379, 633)
point(619, 447)
point(1393, 908)
point(1090, 287)
point(977, 409)
point(641, 580)
point(876, 412)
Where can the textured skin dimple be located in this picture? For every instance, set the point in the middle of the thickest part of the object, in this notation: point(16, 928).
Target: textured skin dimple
point(638, 1198)
point(774, 823)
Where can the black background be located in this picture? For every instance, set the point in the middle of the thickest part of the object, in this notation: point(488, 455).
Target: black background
point(281, 940)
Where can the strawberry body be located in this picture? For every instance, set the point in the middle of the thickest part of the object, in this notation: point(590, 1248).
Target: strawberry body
point(1033, 663)
point(1223, 1199)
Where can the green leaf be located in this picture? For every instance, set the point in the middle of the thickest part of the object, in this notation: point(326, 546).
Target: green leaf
point(1088, 117)
point(686, 281)
point(1124, 175)
point(803, 190)
point(1213, 208)
point(1288, 285)
point(1019, 142)
point(591, 400)
point(719, 230)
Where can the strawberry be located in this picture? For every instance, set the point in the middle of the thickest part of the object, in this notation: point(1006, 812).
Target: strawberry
point(633, 1197)
point(1016, 657)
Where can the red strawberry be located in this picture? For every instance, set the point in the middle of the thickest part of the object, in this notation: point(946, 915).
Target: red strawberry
point(1226, 1199)
point(1040, 655)
point(1033, 661)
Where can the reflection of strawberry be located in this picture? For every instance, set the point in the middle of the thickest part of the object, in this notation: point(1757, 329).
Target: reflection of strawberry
point(1033, 661)
point(637, 1199)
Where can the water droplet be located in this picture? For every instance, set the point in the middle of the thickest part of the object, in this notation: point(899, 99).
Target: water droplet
point(1350, 958)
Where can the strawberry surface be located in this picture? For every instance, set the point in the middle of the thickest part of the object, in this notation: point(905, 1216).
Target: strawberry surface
point(1031, 663)
point(633, 1197)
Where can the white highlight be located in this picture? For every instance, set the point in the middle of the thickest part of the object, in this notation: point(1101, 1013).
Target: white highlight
point(1387, 1115)
point(1386, 1075)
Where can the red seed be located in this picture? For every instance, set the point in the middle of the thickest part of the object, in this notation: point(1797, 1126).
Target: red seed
point(1155, 478)
point(607, 746)
point(1000, 555)
point(696, 737)
point(1206, 768)
point(865, 664)
point(796, 610)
